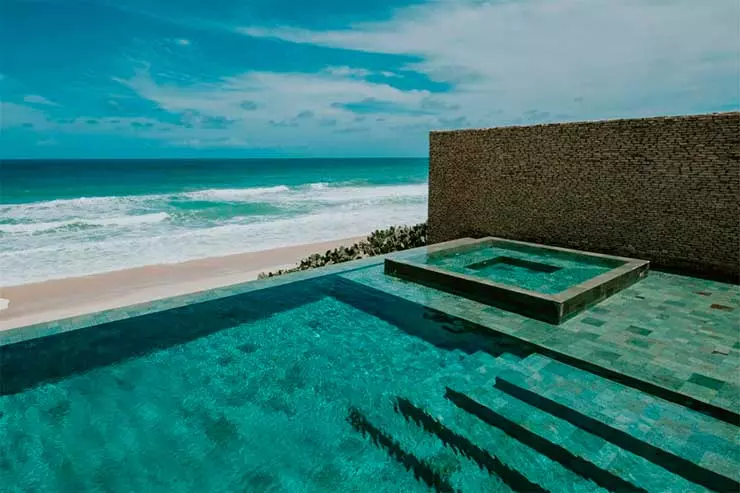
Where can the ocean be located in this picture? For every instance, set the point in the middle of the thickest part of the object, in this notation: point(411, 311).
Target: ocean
point(69, 218)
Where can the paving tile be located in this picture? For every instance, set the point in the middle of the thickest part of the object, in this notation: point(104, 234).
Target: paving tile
point(720, 463)
point(639, 330)
point(705, 381)
point(641, 343)
point(606, 355)
point(593, 321)
point(636, 331)
point(675, 303)
point(705, 394)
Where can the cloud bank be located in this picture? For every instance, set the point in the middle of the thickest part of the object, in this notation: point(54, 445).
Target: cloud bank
point(448, 64)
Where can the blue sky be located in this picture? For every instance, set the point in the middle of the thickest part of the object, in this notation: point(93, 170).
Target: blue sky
point(223, 78)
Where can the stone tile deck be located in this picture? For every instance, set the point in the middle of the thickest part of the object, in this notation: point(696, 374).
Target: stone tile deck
point(677, 333)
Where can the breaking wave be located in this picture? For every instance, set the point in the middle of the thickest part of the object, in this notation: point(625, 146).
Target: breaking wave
point(86, 235)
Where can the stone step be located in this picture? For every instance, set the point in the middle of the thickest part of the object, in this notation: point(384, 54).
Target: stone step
point(518, 466)
point(699, 448)
point(464, 447)
point(396, 450)
point(587, 455)
point(472, 370)
point(433, 456)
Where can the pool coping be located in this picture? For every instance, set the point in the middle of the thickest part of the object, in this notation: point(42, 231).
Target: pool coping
point(551, 308)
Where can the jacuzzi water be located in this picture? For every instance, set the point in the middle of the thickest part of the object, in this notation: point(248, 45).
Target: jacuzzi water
point(544, 271)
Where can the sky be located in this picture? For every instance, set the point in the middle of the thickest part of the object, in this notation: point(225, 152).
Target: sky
point(290, 78)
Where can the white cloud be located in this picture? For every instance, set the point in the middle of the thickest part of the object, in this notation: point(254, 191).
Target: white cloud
point(345, 71)
point(48, 142)
point(628, 57)
point(182, 42)
point(17, 115)
point(280, 103)
point(14, 115)
point(505, 62)
point(35, 99)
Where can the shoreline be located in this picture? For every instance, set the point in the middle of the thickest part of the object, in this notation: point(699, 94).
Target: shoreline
point(56, 299)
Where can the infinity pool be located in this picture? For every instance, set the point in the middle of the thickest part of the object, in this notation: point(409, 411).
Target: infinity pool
point(317, 385)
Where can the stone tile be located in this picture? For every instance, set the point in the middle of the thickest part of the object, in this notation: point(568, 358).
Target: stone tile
point(675, 303)
point(639, 330)
point(606, 355)
point(593, 321)
point(720, 463)
point(681, 339)
point(704, 394)
point(705, 381)
point(641, 343)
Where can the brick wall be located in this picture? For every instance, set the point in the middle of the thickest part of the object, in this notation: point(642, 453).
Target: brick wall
point(663, 189)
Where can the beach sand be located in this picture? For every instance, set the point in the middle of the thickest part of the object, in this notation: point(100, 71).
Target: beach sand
point(57, 299)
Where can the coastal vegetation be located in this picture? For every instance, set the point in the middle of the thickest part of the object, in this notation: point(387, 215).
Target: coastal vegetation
point(379, 242)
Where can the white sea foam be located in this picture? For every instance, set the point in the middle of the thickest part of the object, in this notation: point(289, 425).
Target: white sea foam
point(72, 237)
point(364, 194)
point(31, 228)
point(314, 191)
point(235, 194)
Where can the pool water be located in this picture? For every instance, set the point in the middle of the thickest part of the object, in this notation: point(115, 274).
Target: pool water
point(539, 270)
point(314, 386)
point(261, 404)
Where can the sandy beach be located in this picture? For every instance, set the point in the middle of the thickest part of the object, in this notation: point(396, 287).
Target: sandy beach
point(56, 299)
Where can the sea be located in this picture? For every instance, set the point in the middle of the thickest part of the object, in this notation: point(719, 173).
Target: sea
point(70, 218)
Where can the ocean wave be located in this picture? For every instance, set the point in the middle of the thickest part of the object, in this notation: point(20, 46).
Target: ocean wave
point(367, 194)
point(92, 208)
point(87, 235)
point(233, 194)
point(32, 228)
point(82, 256)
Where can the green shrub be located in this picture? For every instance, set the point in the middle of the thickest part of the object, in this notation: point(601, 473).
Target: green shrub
point(378, 242)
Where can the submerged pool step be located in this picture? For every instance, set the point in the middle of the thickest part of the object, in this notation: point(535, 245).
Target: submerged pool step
point(465, 447)
point(586, 455)
point(430, 460)
point(518, 466)
point(421, 469)
point(699, 448)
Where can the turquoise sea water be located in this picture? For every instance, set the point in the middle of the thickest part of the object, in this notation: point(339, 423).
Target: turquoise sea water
point(67, 218)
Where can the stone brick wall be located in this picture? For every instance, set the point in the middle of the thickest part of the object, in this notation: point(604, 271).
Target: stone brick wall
point(663, 189)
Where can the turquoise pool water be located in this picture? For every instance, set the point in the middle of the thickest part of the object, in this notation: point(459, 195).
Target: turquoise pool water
point(540, 270)
point(314, 386)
